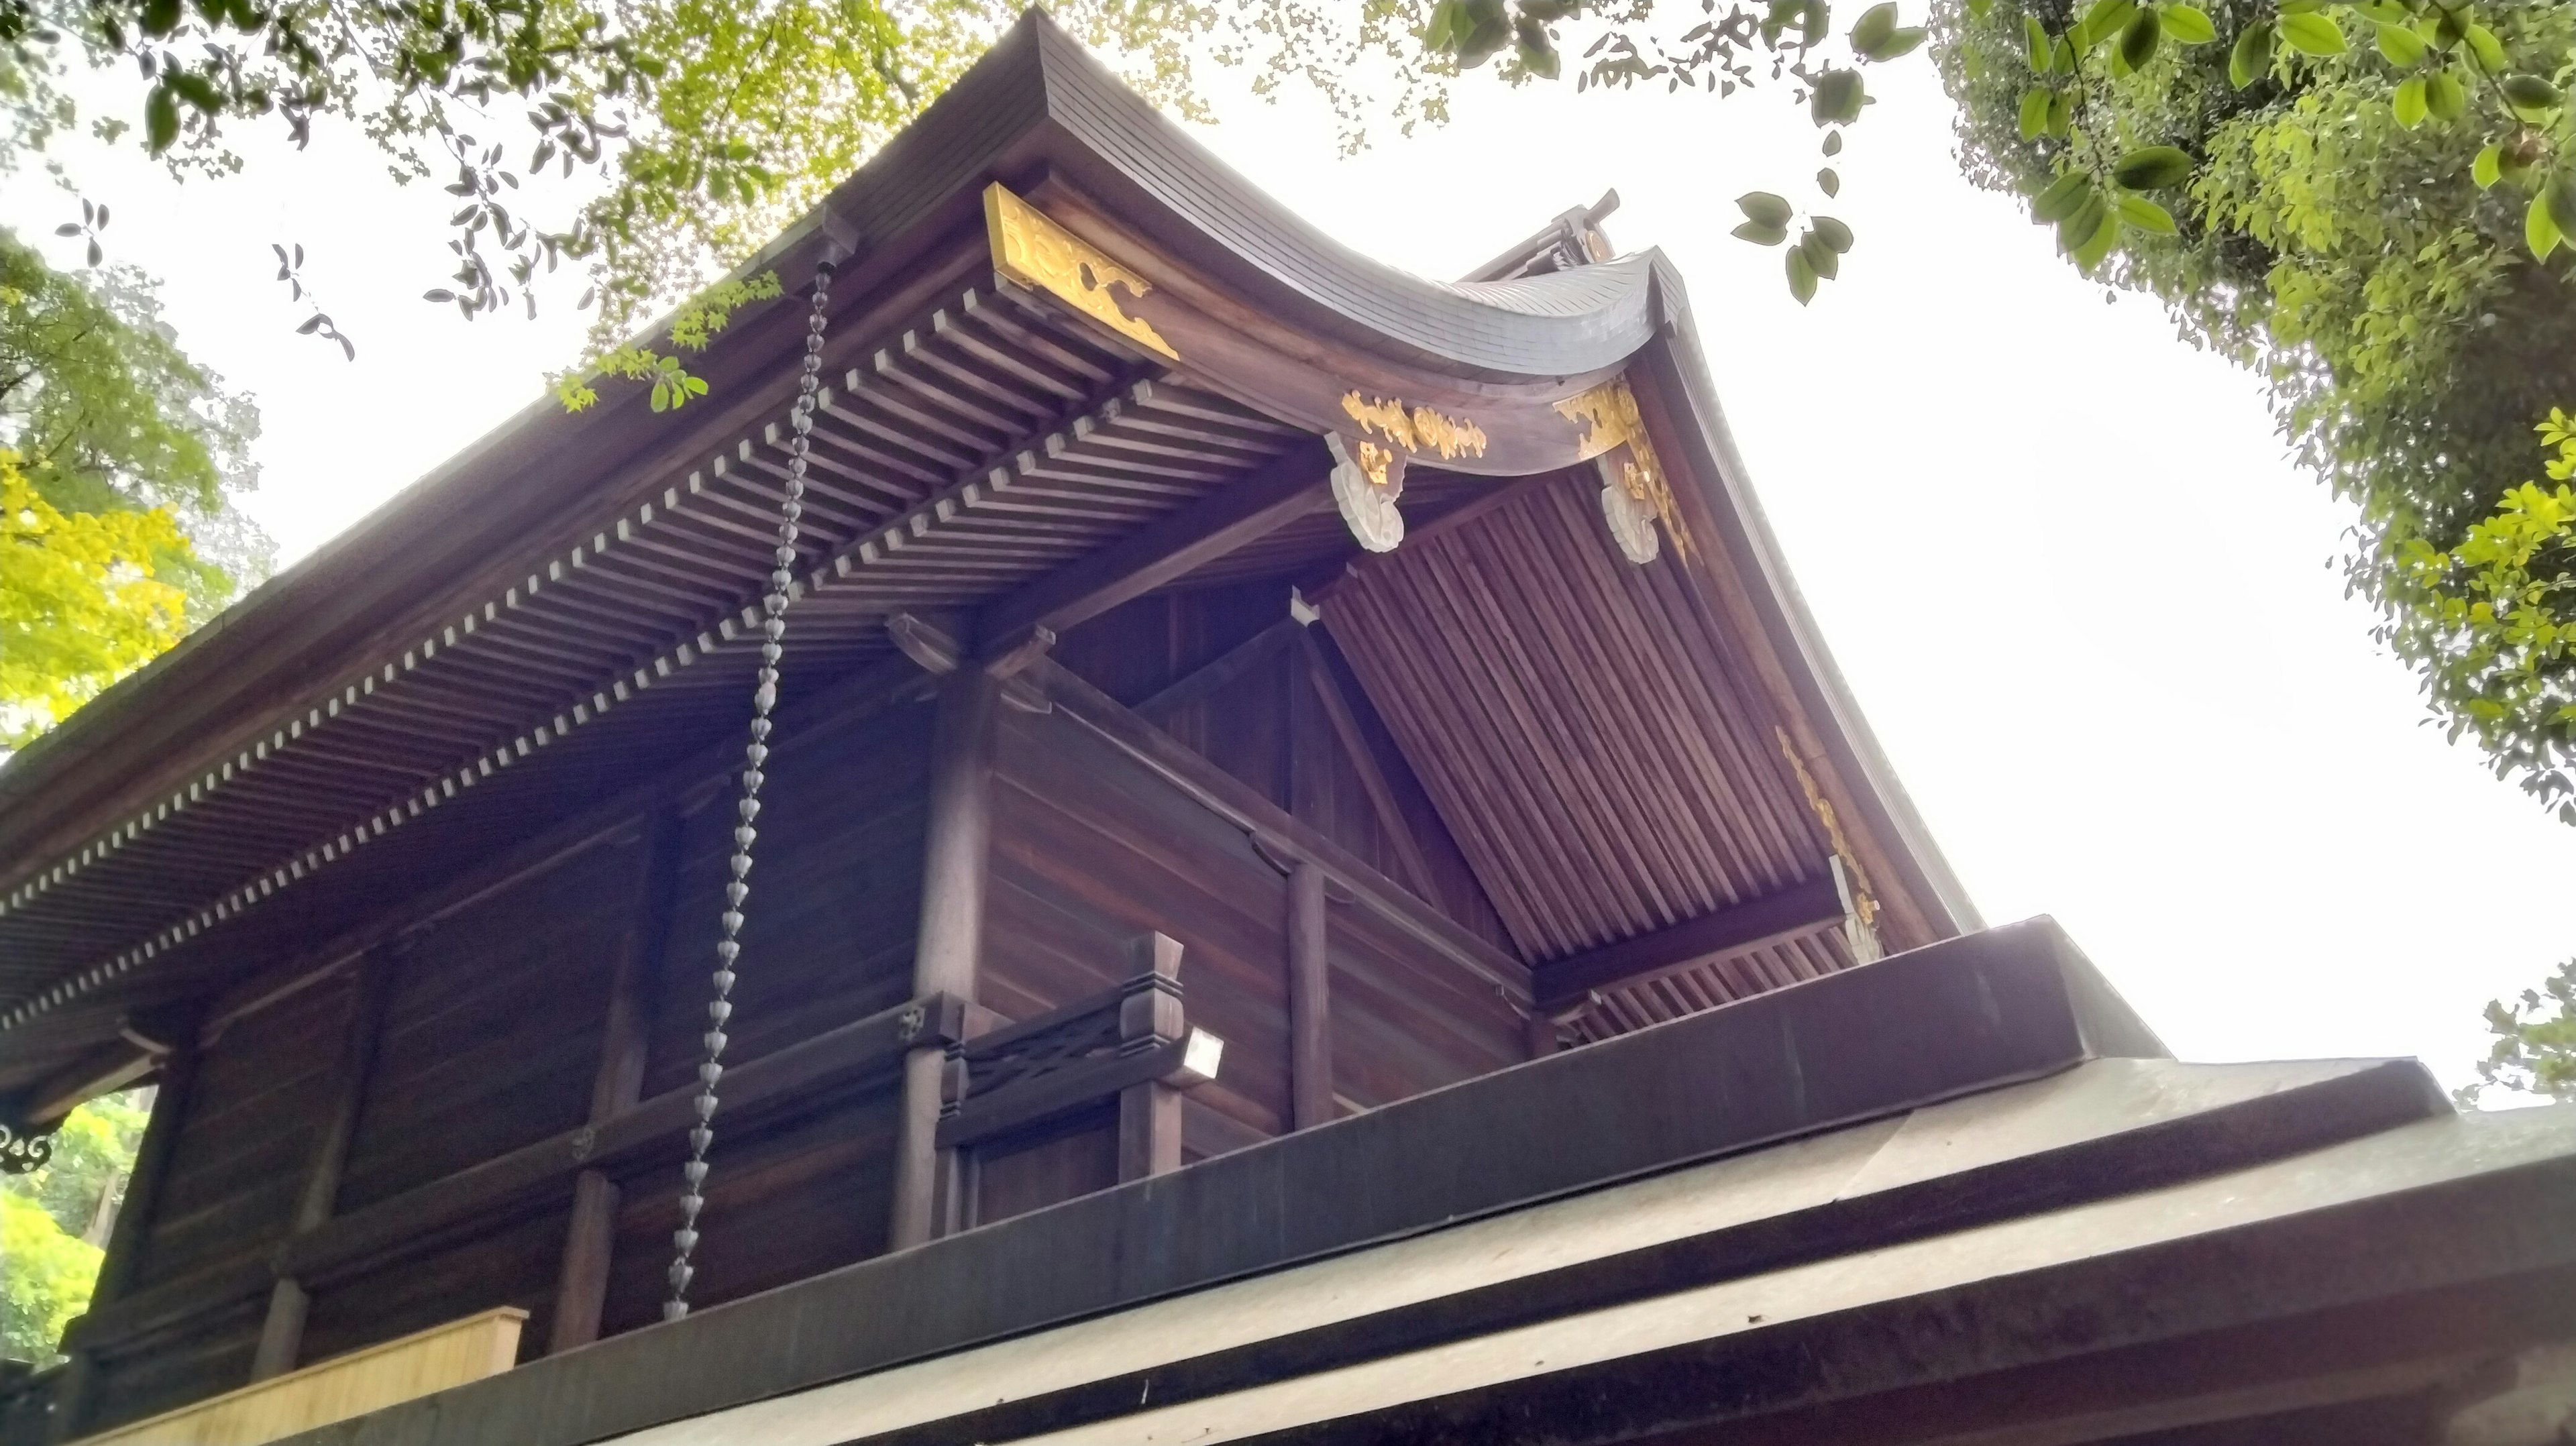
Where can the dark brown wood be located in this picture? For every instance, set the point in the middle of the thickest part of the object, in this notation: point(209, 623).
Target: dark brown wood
point(1178, 543)
point(1310, 1016)
point(1415, 866)
point(122, 1264)
point(1798, 909)
point(415, 1220)
point(957, 861)
point(581, 1286)
point(1212, 676)
point(1231, 799)
point(281, 1334)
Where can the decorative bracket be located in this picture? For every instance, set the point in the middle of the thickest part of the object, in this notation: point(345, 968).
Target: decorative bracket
point(1369, 463)
point(25, 1149)
point(1635, 492)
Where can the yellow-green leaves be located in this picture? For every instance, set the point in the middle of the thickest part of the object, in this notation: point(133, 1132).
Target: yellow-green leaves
point(2187, 25)
point(2445, 96)
point(1837, 97)
point(79, 605)
point(2061, 199)
point(2146, 215)
point(2039, 42)
point(2138, 39)
point(2400, 44)
point(2539, 229)
point(2251, 57)
point(2034, 112)
point(2152, 168)
point(2311, 33)
point(2488, 168)
point(1802, 275)
point(2409, 101)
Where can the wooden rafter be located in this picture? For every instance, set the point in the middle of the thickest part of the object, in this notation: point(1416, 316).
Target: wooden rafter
point(1798, 909)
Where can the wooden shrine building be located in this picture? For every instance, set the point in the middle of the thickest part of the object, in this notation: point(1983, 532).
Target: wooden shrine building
point(1309, 879)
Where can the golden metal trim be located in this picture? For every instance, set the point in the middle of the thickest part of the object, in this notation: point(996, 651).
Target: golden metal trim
point(1864, 900)
point(1419, 429)
point(1031, 249)
point(1608, 415)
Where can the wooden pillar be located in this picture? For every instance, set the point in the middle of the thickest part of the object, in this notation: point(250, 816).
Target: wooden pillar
point(956, 856)
point(281, 1335)
point(581, 1283)
point(123, 1261)
point(1310, 1020)
point(1149, 1114)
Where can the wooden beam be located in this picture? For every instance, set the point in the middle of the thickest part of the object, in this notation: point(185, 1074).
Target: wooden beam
point(1220, 670)
point(1288, 487)
point(581, 1282)
point(1280, 832)
point(1786, 914)
point(123, 1261)
point(956, 863)
point(1345, 723)
point(1149, 1110)
point(1310, 1016)
point(422, 1218)
point(281, 1335)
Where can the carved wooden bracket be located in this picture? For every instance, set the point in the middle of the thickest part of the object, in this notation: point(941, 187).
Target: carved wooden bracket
point(1070, 1058)
point(25, 1149)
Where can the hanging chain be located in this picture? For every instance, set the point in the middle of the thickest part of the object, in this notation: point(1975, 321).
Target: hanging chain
point(755, 754)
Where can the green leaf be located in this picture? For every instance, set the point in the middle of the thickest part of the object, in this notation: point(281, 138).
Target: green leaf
point(2489, 50)
point(2037, 36)
point(1802, 276)
point(2540, 231)
point(2445, 96)
point(1816, 21)
point(161, 118)
point(2103, 20)
point(160, 17)
point(2312, 34)
point(1874, 26)
point(1764, 208)
point(2400, 44)
point(2061, 199)
point(2489, 167)
point(2409, 101)
point(2087, 218)
point(1762, 233)
point(2061, 115)
point(1829, 181)
point(1832, 232)
point(2188, 25)
point(1837, 97)
point(2560, 197)
point(2152, 168)
point(1823, 259)
point(1833, 143)
point(2034, 112)
point(2251, 58)
point(1904, 42)
point(2531, 97)
point(2146, 215)
point(2089, 252)
point(2139, 39)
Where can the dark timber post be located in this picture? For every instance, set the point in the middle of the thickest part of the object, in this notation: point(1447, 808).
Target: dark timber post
point(1149, 1112)
point(581, 1285)
point(281, 1335)
point(118, 1271)
point(1310, 1020)
point(955, 859)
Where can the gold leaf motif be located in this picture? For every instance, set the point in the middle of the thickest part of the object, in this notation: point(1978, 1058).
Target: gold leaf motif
point(1608, 415)
point(1373, 460)
point(1864, 902)
point(1031, 249)
point(1419, 430)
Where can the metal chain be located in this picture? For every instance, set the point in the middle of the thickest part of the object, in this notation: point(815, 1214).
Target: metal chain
point(755, 754)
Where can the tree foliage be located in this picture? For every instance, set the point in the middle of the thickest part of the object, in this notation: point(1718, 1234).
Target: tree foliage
point(108, 416)
point(2535, 1043)
point(79, 605)
point(53, 1223)
point(2366, 212)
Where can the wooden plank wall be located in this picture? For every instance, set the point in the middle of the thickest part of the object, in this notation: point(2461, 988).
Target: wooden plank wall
point(262, 1092)
point(827, 939)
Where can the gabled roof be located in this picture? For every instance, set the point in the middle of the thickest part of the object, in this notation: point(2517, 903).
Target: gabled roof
point(562, 609)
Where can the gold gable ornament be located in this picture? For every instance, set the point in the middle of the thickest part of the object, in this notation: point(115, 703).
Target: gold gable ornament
point(1635, 493)
point(1368, 474)
point(1031, 249)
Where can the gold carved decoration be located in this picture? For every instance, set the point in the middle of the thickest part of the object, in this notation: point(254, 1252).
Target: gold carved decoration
point(1031, 249)
point(1367, 478)
point(1419, 430)
point(1631, 485)
point(1864, 904)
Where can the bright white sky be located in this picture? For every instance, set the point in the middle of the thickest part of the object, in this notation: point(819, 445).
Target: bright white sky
point(2082, 595)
